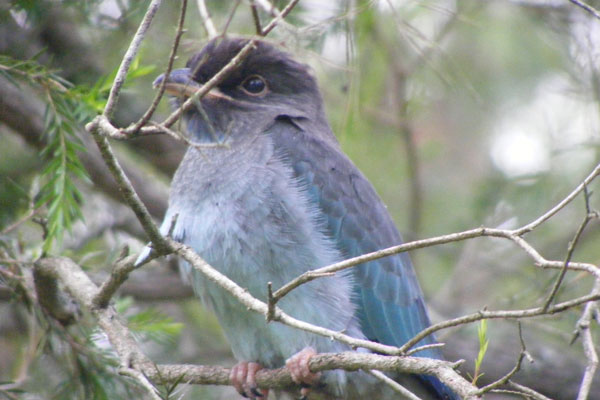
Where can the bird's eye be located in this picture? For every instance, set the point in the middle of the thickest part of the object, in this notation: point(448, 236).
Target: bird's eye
point(254, 85)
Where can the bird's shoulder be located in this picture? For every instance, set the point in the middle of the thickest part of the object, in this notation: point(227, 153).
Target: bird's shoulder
point(356, 216)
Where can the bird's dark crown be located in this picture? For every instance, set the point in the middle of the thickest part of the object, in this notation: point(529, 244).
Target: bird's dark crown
point(283, 75)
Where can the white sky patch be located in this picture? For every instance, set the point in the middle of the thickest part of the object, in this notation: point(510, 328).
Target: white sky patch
point(109, 8)
point(554, 127)
point(315, 11)
point(519, 153)
point(334, 48)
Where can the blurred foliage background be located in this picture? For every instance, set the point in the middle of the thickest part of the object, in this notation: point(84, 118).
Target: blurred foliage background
point(461, 113)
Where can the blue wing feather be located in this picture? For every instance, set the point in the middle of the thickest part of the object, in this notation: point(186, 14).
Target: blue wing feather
point(388, 297)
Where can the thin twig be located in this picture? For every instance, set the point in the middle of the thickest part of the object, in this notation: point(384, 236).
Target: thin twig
point(279, 17)
point(256, 18)
point(587, 8)
point(136, 364)
point(571, 248)
point(538, 221)
point(230, 17)
point(130, 54)
point(503, 314)
point(425, 347)
point(513, 235)
point(161, 89)
point(118, 275)
point(418, 244)
point(583, 329)
point(30, 213)
point(270, 302)
point(98, 126)
point(212, 82)
point(79, 285)
point(398, 388)
point(211, 31)
point(532, 394)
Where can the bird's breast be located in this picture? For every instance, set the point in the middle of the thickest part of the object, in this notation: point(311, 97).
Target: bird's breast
point(245, 214)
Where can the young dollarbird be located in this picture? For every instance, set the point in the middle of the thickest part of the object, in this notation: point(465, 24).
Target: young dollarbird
point(277, 198)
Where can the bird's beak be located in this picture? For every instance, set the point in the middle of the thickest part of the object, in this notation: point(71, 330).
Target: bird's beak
point(178, 83)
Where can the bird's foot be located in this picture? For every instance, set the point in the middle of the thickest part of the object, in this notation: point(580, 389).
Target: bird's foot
point(301, 374)
point(243, 378)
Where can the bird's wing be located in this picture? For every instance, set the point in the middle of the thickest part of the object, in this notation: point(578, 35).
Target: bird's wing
point(388, 297)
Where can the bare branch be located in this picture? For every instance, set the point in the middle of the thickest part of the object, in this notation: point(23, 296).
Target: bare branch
point(418, 244)
point(279, 17)
point(583, 329)
point(504, 314)
point(256, 18)
point(529, 392)
point(29, 214)
point(532, 225)
point(135, 363)
point(101, 125)
point(394, 385)
point(83, 290)
point(132, 51)
point(230, 17)
point(211, 83)
point(591, 10)
point(571, 248)
point(211, 31)
point(119, 274)
point(161, 90)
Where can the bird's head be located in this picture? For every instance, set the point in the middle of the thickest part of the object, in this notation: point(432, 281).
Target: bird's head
point(267, 84)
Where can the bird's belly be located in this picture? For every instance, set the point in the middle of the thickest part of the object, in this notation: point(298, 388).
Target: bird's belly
point(252, 249)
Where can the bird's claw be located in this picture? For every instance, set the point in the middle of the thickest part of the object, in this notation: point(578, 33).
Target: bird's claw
point(243, 378)
point(300, 372)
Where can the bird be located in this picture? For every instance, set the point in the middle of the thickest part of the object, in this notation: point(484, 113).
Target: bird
point(265, 193)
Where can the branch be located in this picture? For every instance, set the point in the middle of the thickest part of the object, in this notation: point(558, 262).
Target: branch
point(591, 10)
point(534, 224)
point(83, 290)
point(101, 124)
point(119, 274)
point(394, 385)
point(256, 18)
point(192, 101)
point(161, 90)
point(272, 11)
point(130, 54)
point(418, 244)
point(211, 31)
point(134, 362)
point(529, 392)
point(504, 314)
point(571, 248)
point(279, 17)
point(583, 329)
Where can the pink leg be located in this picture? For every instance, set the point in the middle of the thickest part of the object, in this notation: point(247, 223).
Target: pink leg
point(298, 367)
point(243, 378)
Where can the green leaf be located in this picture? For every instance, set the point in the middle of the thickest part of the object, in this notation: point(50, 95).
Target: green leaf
point(483, 345)
point(154, 325)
